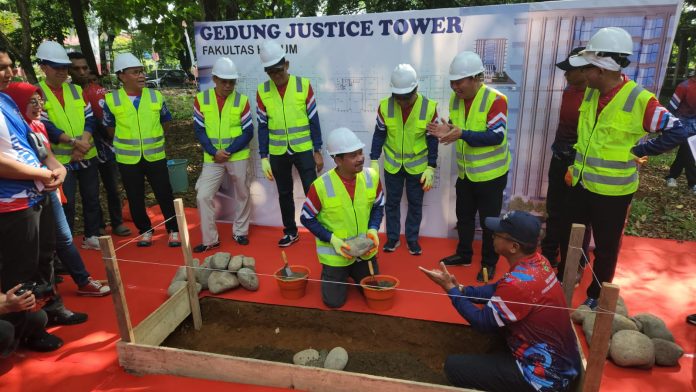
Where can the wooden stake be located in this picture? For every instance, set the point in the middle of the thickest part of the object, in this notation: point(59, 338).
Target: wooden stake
point(577, 235)
point(601, 334)
point(188, 262)
point(118, 295)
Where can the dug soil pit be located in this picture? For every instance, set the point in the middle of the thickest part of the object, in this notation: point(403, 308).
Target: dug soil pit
point(378, 345)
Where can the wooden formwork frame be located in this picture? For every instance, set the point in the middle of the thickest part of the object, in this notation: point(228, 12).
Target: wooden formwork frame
point(139, 349)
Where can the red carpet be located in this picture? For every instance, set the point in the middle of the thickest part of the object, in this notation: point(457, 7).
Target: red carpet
point(656, 276)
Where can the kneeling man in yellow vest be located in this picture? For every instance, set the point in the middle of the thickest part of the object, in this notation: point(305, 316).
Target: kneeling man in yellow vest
point(342, 204)
point(136, 117)
point(222, 123)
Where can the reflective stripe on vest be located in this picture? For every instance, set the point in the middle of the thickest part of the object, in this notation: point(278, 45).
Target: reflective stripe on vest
point(607, 167)
point(479, 163)
point(137, 132)
point(223, 126)
point(288, 123)
point(406, 145)
point(69, 118)
point(346, 218)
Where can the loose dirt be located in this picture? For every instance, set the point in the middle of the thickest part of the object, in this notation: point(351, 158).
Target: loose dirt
point(378, 345)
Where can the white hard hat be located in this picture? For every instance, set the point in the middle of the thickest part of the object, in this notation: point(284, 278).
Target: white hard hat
point(465, 64)
point(271, 53)
point(607, 40)
point(224, 68)
point(611, 40)
point(403, 79)
point(53, 52)
point(343, 140)
point(126, 60)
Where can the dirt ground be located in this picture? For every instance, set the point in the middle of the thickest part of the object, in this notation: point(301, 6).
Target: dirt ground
point(377, 345)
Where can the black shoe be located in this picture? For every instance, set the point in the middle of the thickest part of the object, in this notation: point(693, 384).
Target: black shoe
point(414, 248)
point(204, 248)
point(288, 239)
point(65, 317)
point(43, 342)
point(456, 259)
point(391, 245)
point(241, 239)
point(491, 272)
point(691, 319)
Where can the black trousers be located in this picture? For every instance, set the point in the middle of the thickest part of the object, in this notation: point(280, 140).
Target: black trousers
point(281, 166)
point(27, 245)
point(108, 172)
point(14, 327)
point(334, 294)
point(607, 216)
point(486, 198)
point(684, 161)
point(486, 372)
point(133, 177)
point(556, 202)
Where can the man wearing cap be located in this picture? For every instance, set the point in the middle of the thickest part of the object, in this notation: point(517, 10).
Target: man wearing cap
point(137, 118)
point(93, 94)
point(683, 105)
point(289, 132)
point(222, 123)
point(615, 115)
point(478, 125)
point(70, 124)
point(342, 204)
point(563, 156)
point(527, 304)
point(410, 156)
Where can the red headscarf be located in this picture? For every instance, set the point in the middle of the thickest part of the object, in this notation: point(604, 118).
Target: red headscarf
point(21, 93)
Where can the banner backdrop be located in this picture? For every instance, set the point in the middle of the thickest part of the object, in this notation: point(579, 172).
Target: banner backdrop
point(349, 60)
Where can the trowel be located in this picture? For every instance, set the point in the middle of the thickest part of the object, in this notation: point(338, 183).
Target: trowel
point(378, 284)
point(286, 272)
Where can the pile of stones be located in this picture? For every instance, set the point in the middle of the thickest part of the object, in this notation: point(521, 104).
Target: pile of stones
point(336, 359)
point(641, 341)
point(219, 273)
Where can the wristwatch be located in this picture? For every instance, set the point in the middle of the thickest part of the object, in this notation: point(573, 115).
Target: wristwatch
point(72, 141)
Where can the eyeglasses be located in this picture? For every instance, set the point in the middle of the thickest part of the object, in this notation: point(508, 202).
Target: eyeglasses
point(275, 71)
point(36, 102)
point(137, 72)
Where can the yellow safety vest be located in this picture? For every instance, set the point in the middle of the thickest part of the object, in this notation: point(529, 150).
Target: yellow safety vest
point(139, 133)
point(344, 217)
point(406, 145)
point(288, 124)
point(69, 119)
point(223, 127)
point(479, 163)
point(603, 160)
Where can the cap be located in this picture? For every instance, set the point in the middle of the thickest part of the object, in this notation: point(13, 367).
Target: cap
point(565, 64)
point(522, 226)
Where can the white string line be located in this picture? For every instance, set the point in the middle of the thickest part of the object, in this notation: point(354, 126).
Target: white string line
point(587, 263)
point(358, 285)
point(152, 230)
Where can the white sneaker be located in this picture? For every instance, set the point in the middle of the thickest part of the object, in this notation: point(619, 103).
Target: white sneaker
point(90, 243)
point(672, 182)
point(145, 239)
point(174, 240)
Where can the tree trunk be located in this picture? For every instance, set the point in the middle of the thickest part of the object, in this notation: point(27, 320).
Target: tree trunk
point(78, 16)
point(24, 55)
point(211, 9)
